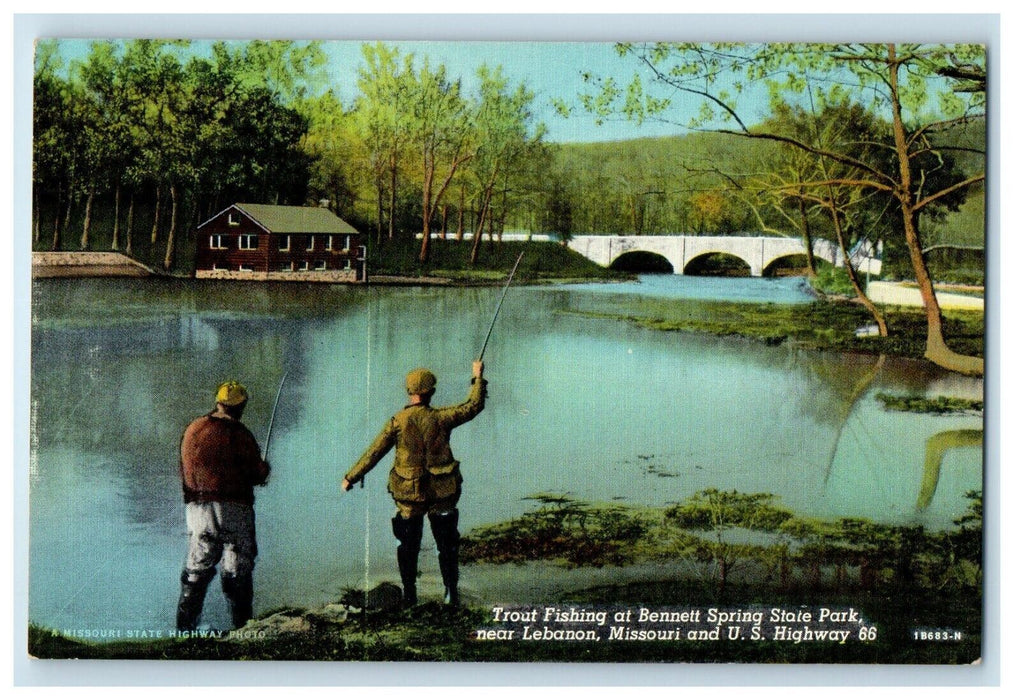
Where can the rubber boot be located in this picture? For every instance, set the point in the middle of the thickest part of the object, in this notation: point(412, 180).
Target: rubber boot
point(448, 540)
point(193, 595)
point(408, 532)
point(238, 590)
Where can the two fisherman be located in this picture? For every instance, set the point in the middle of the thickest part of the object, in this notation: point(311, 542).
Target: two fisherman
point(221, 463)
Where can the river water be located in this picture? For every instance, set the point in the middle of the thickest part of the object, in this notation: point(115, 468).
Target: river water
point(595, 408)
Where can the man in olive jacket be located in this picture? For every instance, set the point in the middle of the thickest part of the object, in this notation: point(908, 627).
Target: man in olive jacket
point(425, 478)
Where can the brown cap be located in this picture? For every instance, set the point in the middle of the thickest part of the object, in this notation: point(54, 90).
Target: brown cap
point(420, 381)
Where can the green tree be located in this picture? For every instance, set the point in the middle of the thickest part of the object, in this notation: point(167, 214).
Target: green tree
point(504, 137)
point(442, 136)
point(105, 147)
point(382, 110)
point(848, 207)
point(53, 158)
point(155, 78)
point(288, 70)
point(336, 152)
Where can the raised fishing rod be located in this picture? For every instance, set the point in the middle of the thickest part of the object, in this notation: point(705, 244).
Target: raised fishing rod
point(500, 304)
point(272, 415)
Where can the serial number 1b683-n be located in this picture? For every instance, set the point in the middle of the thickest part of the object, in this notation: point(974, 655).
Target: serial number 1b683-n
point(928, 635)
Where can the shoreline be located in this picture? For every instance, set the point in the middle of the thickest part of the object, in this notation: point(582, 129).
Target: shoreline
point(111, 264)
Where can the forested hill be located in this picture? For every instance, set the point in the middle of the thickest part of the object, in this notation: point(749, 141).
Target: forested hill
point(669, 184)
point(711, 182)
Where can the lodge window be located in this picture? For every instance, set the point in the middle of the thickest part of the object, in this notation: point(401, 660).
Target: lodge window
point(347, 243)
point(285, 243)
point(286, 267)
point(311, 243)
point(321, 265)
point(217, 267)
point(329, 243)
point(248, 241)
point(233, 219)
point(347, 263)
point(217, 241)
point(245, 268)
point(304, 265)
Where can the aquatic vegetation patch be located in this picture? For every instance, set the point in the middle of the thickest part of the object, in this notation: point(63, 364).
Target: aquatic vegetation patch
point(923, 404)
point(561, 529)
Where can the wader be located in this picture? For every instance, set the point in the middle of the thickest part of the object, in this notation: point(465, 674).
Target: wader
point(408, 532)
point(193, 594)
point(224, 534)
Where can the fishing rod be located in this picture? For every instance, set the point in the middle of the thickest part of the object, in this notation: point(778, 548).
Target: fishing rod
point(500, 304)
point(272, 415)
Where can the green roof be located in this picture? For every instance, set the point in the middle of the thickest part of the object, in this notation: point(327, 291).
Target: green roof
point(281, 219)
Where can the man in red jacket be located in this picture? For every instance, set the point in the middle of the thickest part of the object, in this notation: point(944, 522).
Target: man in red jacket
point(220, 464)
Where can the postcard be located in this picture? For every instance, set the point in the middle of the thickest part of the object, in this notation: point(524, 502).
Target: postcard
point(582, 352)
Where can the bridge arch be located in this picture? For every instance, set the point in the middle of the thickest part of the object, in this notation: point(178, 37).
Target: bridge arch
point(642, 261)
point(788, 265)
point(718, 264)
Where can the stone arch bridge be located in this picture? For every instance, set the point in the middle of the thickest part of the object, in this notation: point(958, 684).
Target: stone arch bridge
point(680, 250)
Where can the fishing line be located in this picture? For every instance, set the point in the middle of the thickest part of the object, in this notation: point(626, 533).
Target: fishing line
point(272, 416)
point(870, 461)
point(500, 305)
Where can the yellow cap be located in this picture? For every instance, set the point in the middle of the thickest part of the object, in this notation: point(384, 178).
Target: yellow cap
point(420, 381)
point(231, 394)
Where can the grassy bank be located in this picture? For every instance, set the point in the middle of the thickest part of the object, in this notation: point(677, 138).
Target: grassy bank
point(450, 259)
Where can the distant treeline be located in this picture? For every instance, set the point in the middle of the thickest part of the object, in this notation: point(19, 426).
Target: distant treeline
point(715, 183)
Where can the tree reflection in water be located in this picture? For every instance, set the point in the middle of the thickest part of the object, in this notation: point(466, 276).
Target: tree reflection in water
point(936, 448)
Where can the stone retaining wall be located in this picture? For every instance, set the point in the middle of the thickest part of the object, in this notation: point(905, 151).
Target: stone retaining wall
point(332, 276)
point(86, 264)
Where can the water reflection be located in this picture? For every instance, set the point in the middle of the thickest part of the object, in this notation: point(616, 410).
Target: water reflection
point(936, 448)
